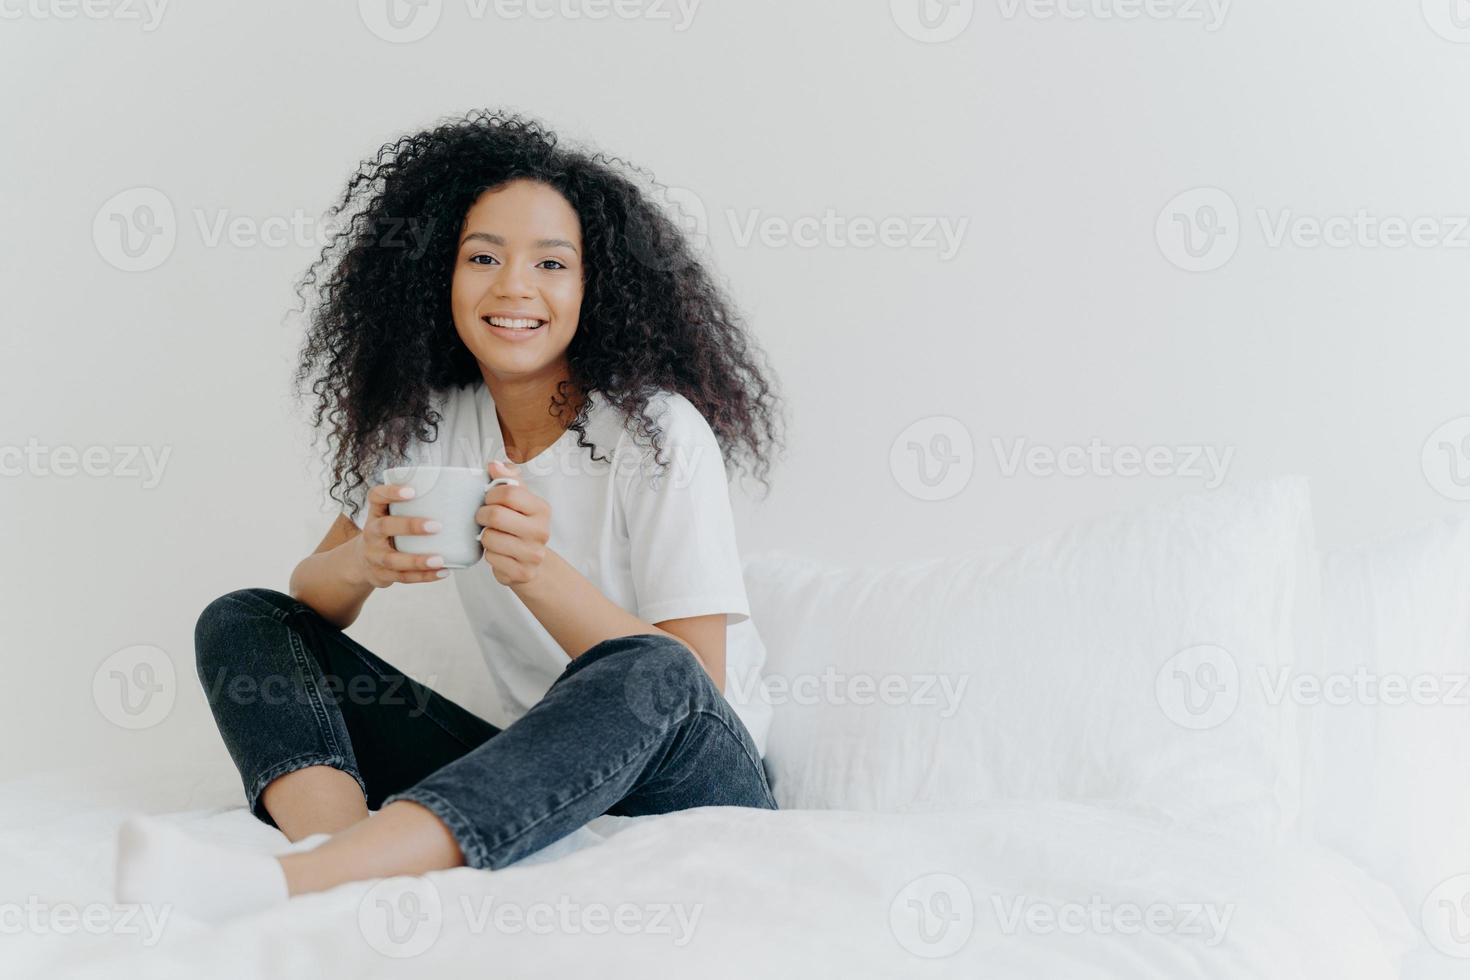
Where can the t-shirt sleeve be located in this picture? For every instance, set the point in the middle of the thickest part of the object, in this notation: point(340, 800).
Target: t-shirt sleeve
point(681, 531)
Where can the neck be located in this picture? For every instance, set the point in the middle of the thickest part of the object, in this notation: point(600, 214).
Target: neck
point(523, 409)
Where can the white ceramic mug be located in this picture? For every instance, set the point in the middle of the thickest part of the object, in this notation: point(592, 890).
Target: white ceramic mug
point(450, 495)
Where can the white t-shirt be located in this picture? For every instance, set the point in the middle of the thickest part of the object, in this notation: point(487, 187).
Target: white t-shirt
point(658, 542)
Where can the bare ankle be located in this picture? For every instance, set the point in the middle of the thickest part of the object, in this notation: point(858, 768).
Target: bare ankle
point(314, 800)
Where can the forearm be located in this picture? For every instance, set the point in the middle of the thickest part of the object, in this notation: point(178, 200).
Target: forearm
point(576, 613)
point(331, 583)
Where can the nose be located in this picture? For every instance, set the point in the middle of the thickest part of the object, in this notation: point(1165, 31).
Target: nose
point(512, 281)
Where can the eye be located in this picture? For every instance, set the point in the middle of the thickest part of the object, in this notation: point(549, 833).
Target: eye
point(553, 262)
point(474, 258)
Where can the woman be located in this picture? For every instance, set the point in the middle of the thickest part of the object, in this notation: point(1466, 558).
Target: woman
point(498, 300)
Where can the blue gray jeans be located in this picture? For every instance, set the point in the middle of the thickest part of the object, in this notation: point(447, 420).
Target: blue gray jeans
point(631, 727)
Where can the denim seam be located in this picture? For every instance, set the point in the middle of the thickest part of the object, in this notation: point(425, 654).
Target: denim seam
point(471, 844)
point(581, 660)
point(478, 851)
point(754, 761)
point(300, 762)
point(500, 842)
point(627, 761)
point(275, 611)
point(427, 712)
point(304, 663)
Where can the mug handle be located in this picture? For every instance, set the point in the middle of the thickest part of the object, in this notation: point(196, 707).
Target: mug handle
point(501, 480)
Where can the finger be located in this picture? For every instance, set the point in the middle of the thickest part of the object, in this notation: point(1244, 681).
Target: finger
point(392, 526)
point(509, 546)
point(502, 518)
point(380, 496)
point(517, 498)
point(502, 467)
point(410, 578)
point(402, 561)
point(504, 567)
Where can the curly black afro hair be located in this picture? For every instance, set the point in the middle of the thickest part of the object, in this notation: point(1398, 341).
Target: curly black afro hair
point(382, 342)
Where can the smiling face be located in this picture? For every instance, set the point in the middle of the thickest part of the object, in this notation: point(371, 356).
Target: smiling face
point(516, 293)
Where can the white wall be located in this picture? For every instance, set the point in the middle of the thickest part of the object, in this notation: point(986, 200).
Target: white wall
point(1058, 139)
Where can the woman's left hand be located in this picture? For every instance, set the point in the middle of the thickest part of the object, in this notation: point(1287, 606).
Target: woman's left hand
point(517, 525)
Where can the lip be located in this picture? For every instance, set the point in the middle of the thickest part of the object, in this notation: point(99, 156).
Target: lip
point(514, 336)
point(514, 315)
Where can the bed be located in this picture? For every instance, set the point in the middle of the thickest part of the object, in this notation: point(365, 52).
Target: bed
point(1075, 813)
point(1045, 890)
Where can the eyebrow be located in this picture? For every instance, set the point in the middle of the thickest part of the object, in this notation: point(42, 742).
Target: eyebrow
point(498, 240)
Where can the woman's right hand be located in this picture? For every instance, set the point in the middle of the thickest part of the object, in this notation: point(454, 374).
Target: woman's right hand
point(379, 563)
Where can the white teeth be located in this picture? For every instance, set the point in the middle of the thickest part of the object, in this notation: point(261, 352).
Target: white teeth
point(515, 323)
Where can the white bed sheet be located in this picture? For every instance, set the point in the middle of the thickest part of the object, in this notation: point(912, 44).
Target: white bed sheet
point(717, 892)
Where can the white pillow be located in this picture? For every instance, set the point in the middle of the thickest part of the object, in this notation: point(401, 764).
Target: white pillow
point(1052, 671)
point(1388, 776)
